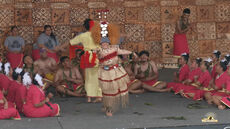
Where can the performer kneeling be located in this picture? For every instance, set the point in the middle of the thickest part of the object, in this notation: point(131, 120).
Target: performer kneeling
point(68, 80)
point(37, 105)
point(147, 72)
point(5, 111)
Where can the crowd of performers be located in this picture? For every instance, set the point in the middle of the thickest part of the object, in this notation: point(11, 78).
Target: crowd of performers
point(198, 82)
point(99, 70)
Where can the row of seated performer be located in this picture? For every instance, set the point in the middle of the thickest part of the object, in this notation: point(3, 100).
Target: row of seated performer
point(198, 82)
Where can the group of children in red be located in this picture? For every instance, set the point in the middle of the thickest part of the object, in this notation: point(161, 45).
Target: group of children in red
point(21, 94)
point(197, 83)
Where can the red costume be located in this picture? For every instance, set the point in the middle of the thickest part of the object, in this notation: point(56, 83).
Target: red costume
point(8, 113)
point(183, 75)
point(213, 72)
point(36, 95)
point(180, 44)
point(204, 80)
point(191, 77)
point(15, 59)
point(4, 82)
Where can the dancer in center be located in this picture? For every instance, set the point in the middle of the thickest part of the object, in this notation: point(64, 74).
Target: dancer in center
point(113, 78)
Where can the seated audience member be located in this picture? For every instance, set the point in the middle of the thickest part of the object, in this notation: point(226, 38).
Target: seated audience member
point(68, 80)
point(14, 45)
point(147, 72)
point(28, 65)
point(37, 104)
point(48, 41)
point(46, 67)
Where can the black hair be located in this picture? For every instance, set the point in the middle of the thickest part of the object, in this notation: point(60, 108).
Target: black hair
point(120, 56)
point(86, 23)
point(227, 58)
point(217, 54)
point(82, 52)
point(223, 65)
point(16, 75)
point(144, 53)
point(52, 34)
point(12, 28)
point(207, 64)
point(35, 82)
point(187, 11)
point(63, 58)
point(186, 57)
point(198, 61)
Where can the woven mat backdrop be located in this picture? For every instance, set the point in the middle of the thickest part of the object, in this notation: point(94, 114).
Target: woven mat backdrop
point(148, 24)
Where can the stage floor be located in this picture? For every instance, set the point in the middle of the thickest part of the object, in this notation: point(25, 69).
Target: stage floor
point(147, 110)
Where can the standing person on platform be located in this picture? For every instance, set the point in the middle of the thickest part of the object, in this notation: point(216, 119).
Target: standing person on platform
point(180, 41)
point(89, 62)
point(14, 45)
point(48, 41)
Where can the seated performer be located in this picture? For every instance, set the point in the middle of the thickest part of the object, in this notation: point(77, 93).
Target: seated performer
point(180, 42)
point(220, 82)
point(134, 86)
point(14, 45)
point(68, 80)
point(202, 84)
point(193, 75)
point(221, 98)
point(46, 67)
point(48, 41)
point(181, 75)
point(37, 104)
point(215, 58)
point(5, 78)
point(28, 65)
point(15, 83)
point(7, 112)
point(147, 73)
point(77, 60)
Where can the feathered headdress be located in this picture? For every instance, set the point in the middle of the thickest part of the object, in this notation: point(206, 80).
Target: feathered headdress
point(38, 78)
point(105, 29)
point(26, 79)
point(208, 60)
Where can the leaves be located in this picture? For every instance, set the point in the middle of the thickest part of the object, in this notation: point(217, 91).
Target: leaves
point(174, 118)
point(148, 104)
point(196, 106)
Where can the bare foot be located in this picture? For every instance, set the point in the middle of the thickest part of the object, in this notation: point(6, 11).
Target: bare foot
point(103, 109)
point(221, 107)
point(109, 113)
point(209, 102)
point(97, 100)
point(89, 100)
